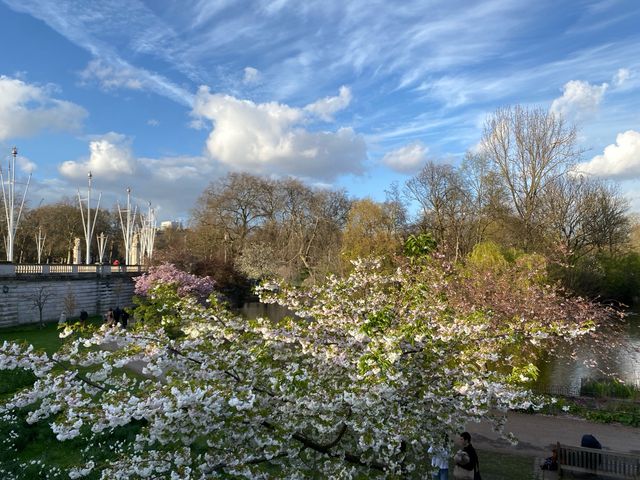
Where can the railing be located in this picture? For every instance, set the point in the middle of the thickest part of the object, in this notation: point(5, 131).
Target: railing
point(12, 270)
point(596, 461)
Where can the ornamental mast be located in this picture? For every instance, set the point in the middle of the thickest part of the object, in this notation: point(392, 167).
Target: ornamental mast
point(9, 197)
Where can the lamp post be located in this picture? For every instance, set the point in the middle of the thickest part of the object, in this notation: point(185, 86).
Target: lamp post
point(9, 197)
point(148, 234)
point(86, 220)
point(128, 227)
point(40, 239)
point(102, 245)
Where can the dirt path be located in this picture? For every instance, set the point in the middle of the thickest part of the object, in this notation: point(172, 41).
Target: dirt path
point(537, 433)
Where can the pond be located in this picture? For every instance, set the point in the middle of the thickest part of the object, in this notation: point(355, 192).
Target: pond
point(622, 362)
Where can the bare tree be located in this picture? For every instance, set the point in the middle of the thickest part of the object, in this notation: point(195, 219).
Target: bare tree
point(529, 148)
point(446, 205)
point(583, 215)
point(39, 298)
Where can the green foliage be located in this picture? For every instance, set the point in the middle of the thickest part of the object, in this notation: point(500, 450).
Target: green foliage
point(609, 277)
point(487, 256)
point(419, 246)
point(608, 388)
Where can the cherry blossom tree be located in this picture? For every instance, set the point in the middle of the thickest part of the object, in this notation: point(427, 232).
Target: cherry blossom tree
point(373, 367)
point(167, 273)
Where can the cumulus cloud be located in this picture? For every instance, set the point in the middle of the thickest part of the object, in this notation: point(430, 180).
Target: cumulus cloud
point(251, 76)
point(26, 109)
point(407, 159)
point(620, 160)
point(152, 122)
point(110, 157)
point(621, 76)
point(171, 184)
point(326, 107)
point(271, 138)
point(579, 99)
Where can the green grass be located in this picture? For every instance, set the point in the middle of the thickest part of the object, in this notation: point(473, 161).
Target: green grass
point(43, 338)
point(504, 466)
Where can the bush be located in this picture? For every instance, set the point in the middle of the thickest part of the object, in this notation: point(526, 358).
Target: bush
point(608, 388)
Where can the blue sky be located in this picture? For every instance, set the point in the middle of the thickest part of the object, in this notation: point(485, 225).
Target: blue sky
point(165, 96)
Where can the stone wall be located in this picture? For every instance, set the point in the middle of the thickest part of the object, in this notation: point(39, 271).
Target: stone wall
point(19, 295)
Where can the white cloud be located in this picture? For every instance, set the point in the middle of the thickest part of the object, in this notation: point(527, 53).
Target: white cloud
point(152, 122)
point(25, 164)
point(112, 73)
point(269, 138)
point(171, 184)
point(110, 77)
point(621, 76)
point(26, 109)
point(251, 76)
point(110, 157)
point(579, 99)
point(407, 159)
point(620, 160)
point(326, 107)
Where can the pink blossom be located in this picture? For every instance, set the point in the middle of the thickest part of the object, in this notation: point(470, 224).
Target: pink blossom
point(167, 273)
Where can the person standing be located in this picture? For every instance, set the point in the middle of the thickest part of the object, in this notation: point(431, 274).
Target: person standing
point(466, 459)
point(439, 460)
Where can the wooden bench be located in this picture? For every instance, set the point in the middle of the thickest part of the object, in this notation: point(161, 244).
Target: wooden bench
point(606, 463)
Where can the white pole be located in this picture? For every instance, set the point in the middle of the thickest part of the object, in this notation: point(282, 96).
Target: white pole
point(40, 239)
point(8, 196)
point(127, 227)
point(102, 245)
point(86, 221)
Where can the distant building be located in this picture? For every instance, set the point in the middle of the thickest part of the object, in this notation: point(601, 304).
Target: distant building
point(170, 225)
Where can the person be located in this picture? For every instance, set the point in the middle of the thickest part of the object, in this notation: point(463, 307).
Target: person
point(117, 313)
point(124, 318)
point(439, 460)
point(108, 317)
point(589, 441)
point(551, 463)
point(466, 460)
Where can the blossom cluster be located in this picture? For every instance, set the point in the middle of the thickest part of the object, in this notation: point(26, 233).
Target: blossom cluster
point(167, 273)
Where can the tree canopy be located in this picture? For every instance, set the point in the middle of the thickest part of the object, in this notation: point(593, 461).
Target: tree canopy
point(373, 367)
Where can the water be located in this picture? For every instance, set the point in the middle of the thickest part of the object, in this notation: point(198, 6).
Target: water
point(268, 310)
point(622, 362)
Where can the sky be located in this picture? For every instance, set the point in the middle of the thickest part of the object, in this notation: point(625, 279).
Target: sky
point(164, 97)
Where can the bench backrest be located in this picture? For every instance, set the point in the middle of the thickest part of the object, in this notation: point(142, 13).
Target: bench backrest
point(591, 460)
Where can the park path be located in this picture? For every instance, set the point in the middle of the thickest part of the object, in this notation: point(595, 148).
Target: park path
point(537, 434)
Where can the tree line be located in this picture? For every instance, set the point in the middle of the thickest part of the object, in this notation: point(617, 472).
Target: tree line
point(519, 188)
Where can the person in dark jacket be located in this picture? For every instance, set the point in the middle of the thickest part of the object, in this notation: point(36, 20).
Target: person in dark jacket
point(464, 469)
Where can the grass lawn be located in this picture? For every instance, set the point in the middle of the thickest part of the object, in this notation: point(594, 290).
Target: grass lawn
point(505, 466)
point(45, 338)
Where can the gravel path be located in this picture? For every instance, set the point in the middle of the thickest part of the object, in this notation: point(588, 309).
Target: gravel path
point(537, 433)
